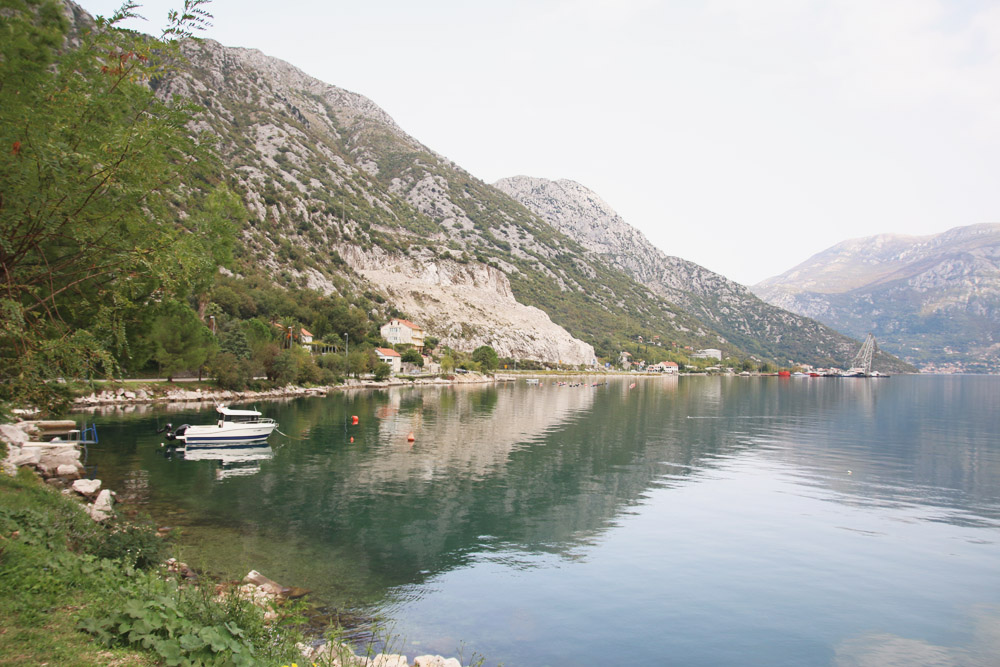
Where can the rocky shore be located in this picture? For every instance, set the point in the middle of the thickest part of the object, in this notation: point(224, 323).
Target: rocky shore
point(122, 395)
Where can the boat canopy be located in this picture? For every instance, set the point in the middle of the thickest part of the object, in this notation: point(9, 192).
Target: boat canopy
point(229, 412)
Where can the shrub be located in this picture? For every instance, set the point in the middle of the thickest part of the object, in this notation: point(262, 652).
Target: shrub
point(132, 545)
point(382, 371)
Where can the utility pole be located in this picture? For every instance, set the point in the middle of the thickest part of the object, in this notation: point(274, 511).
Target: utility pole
point(347, 354)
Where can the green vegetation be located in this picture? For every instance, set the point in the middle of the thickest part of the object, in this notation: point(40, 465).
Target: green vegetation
point(93, 172)
point(73, 592)
point(486, 357)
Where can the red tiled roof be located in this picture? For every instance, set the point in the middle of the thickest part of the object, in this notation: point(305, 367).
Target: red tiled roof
point(386, 352)
point(407, 323)
point(305, 332)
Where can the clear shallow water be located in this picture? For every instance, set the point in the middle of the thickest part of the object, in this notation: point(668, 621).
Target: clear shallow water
point(687, 521)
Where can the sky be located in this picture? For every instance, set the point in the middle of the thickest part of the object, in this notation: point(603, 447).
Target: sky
point(744, 136)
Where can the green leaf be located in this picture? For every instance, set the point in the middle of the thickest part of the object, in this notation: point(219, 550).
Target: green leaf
point(170, 651)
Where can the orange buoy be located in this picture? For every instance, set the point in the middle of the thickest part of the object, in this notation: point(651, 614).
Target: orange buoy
point(410, 438)
point(352, 438)
point(354, 419)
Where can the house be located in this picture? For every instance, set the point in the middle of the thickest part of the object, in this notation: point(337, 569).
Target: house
point(403, 332)
point(664, 367)
point(305, 337)
point(625, 360)
point(390, 357)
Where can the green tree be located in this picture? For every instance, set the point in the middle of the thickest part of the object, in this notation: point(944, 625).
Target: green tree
point(411, 356)
point(358, 362)
point(486, 357)
point(382, 371)
point(180, 341)
point(94, 170)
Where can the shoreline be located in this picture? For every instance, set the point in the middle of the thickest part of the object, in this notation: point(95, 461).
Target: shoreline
point(171, 393)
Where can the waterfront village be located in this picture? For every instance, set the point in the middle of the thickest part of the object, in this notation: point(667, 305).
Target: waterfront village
point(410, 352)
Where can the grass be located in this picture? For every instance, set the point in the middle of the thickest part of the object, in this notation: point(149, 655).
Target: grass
point(73, 592)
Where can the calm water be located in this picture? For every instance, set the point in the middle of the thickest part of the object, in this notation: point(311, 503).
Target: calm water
point(686, 521)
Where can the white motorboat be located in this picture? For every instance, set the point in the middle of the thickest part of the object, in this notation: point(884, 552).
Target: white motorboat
point(235, 427)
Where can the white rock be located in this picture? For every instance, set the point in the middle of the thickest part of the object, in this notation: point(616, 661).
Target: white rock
point(389, 660)
point(87, 487)
point(103, 507)
point(12, 434)
point(435, 661)
point(27, 456)
point(67, 470)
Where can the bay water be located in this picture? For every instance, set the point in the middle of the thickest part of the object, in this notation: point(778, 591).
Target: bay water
point(679, 521)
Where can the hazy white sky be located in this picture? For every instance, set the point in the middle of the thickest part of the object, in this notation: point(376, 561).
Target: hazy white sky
point(745, 136)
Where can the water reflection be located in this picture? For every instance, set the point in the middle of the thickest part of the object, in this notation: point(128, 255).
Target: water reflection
point(690, 503)
point(233, 461)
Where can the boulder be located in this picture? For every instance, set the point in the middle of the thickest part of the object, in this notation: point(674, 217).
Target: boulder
point(269, 587)
point(26, 456)
point(68, 470)
point(87, 488)
point(103, 507)
point(435, 661)
point(12, 434)
point(389, 660)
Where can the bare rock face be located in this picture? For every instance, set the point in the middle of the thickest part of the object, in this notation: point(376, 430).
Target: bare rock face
point(467, 305)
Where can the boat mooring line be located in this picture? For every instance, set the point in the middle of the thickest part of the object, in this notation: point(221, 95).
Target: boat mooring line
point(288, 436)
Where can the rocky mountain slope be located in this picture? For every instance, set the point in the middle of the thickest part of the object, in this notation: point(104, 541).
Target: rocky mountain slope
point(933, 300)
point(335, 189)
point(341, 199)
point(730, 308)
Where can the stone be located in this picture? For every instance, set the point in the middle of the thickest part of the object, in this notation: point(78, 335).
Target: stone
point(87, 488)
point(268, 586)
point(435, 661)
point(68, 470)
point(28, 456)
point(12, 434)
point(103, 507)
point(389, 660)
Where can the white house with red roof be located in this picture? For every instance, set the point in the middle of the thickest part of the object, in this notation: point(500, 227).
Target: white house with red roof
point(664, 367)
point(391, 357)
point(403, 332)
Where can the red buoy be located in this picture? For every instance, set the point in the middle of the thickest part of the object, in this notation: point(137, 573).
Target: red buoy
point(410, 438)
point(352, 438)
point(354, 419)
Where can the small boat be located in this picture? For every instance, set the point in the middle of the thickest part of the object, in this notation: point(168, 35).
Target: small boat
point(235, 427)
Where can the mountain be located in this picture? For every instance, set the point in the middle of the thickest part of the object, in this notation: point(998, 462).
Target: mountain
point(341, 200)
point(337, 191)
point(742, 318)
point(932, 300)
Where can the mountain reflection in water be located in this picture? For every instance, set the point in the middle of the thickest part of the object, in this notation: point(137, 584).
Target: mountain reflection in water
point(722, 520)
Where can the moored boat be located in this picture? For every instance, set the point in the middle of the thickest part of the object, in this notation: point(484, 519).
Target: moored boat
point(235, 427)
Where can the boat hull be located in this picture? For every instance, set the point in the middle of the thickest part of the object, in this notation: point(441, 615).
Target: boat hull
point(236, 435)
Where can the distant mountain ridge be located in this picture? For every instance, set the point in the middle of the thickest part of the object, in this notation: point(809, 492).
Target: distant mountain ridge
point(933, 300)
point(730, 308)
